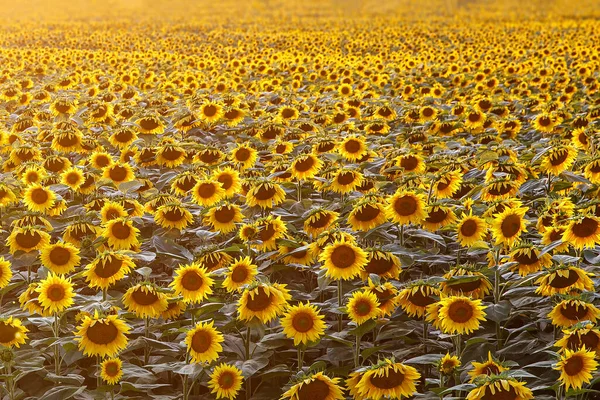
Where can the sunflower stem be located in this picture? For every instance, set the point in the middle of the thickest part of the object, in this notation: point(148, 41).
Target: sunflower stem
point(98, 372)
point(549, 184)
point(340, 296)
point(112, 392)
point(248, 355)
point(10, 382)
point(300, 357)
point(357, 352)
point(56, 348)
point(299, 191)
point(146, 335)
point(185, 378)
point(104, 294)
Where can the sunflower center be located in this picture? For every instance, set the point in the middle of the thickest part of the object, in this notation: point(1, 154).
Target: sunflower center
point(511, 225)
point(590, 340)
point(526, 259)
point(143, 297)
point(209, 156)
point(226, 181)
point(574, 365)
point(315, 390)
point(226, 380)
point(108, 267)
point(60, 256)
point(149, 124)
point(39, 196)
point(239, 274)
point(174, 215)
point(325, 147)
point(465, 287)
point(352, 146)
point(201, 341)
point(409, 163)
point(500, 394)
point(574, 311)
point(28, 239)
point(265, 192)
point(242, 154)
point(206, 190)
point(388, 381)
point(210, 110)
point(73, 178)
point(343, 256)
point(225, 214)
point(561, 282)
point(302, 322)
point(118, 173)
point(123, 136)
point(186, 183)
point(490, 369)
point(363, 308)
point(558, 157)
point(191, 281)
point(7, 332)
point(420, 300)
point(267, 232)
point(345, 178)
point(121, 231)
point(111, 369)
point(437, 216)
point(595, 168)
point(171, 154)
point(260, 301)
point(367, 213)
point(544, 121)
point(460, 312)
point(305, 164)
point(320, 221)
point(102, 332)
point(587, 227)
point(405, 205)
point(378, 265)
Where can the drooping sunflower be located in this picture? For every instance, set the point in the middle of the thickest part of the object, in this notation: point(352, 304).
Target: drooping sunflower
point(558, 159)
point(7, 196)
point(145, 300)
point(207, 192)
point(382, 263)
point(173, 216)
point(204, 342)
point(366, 215)
point(387, 379)
point(192, 282)
point(121, 234)
point(240, 272)
point(460, 314)
point(576, 367)
point(315, 387)
point(464, 281)
point(112, 210)
point(102, 336)
point(529, 260)
point(224, 217)
point(582, 232)
point(244, 156)
point(592, 171)
point(568, 312)
point(500, 388)
point(387, 296)
point(415, 299)
point(150, 124)
point(118, 173)
point(107, 268)
point(29, 302)
point(263, 301)
point(296, 254)
point(319, 221)
point(544, 122)
point(213, 259)
point(448, 184)
point(60, 257)
point(438, 216)
point(5, 273)
point(303, 323)
point(226, 381)
point(343, 260)
point(448, 364)
point(406, 207)
point(183, 183)
point(269, 230)
point(508, 226)
point(111, 370)
point(563, 280)
point(265, 195)
point(38, 198)
point(12, 332)
point(174, 309)
point(306, 166)
point(489, 367)
point(345, 181)
point(229, 179)
point(27, 239)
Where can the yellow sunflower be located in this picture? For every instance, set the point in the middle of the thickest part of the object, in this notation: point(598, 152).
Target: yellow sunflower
point(406, 207)
point(581, 335)
point(226, 381)
point(387, 379)
point(239, 273)
point(60, 258)
point(448, 364)
point(563, 280)
point(38, 198)
point(263, 301)
point(224, 217)
point(5, 273)
point(244, 156)
point(107, 268)
point(500, 388)
point(415, 299)
point(192, 282)
point(111, 370)
point(460, 314)
point(102, 336)
point(306, 166)
point(204, 342)
point(582, 232)
point(265, 195)
point(112, 210)
point(316, 386)
point(438, 216)
point(150, 124)
point(576, 367)
point(363, 306)
point(382, 263)
point(229, 179)
point(367, 215)
point(345, 181)
point(489, 367)
point(207, 192)
point(568, 312)
point(173, 216)
point(387, 296)
point(145, 300)
point(27, 239)
point(319, 221)
point(72, 177)
point(121, 234)
point(343, 260)
point(448, 184)
point(508, 225)
point(303, 323)
point(210, 112)
point(353, 148)
point(558, 160)
point(474, 285)
point(118, 173)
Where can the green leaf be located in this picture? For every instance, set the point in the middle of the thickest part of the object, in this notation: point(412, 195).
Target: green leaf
point(62, 392)
point(425, 359)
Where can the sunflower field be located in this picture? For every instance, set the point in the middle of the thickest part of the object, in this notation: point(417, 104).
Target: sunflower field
point(299, 199)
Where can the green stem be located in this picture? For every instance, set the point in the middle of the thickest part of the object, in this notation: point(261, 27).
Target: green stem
point(104, 294)
point(146, 335)
point(357, 352)
point(300, 357)
point(98, 379)
point(11, 382)
point(340, 294)
point(299, 191)
point(185, 378)
point(248, 383)
point(56, 347)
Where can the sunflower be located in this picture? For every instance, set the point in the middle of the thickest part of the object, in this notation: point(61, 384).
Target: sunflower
point(367, 215)
point(387, 296)
point(448, 184)
point(306, 166)
point(224, 217)
point(226, 381)
point(173, 216)
point(123, 136)
point(239, 273)
point(229, 179)
point(508, 225)
point(121, 234)
point(319, 221)
point(29, 301)
point(448, 364)
point(563, 280)
point(112, 210)
point(303, 323)
point(170, 155)
point(204, 342)
point(263, 301)
point(346, 181)
point(582, 232)
point(207, 192)
point(12, 332)
point(296, 254)
point(73, 178)
point(438, 216)
point(529, 260)
point(118, 173)
point(544, 123)
point(101, 159)
point(410, 163)
point(174, 309)
point(210, 112)
point(33, 174)
point(353, 148)
point(111, 370)
point(558, 159)
point(463, 281)
point(460, 314)
point(580, 335)
point(489, 367)
point(415, 299)
point(145, 301)
point(363, 306)
point(5, 273)
point(474, 119)
point(500, 388)
point(265, 195)
point(343, 260)
point(60, 258)
point(102, 336)
point(192, 282)
point(150, 124)
point(108, 268)
point(382, 263)
point(7, 196)
point(387, 379)
point(64, 106)
point(244, 156)
point(570, 311)
point(214, 259)
point(576, 367)
point(27, 239)
point(406, 207)
point(38, 198)
point(209, 156)
point(592, 171)
point(315, 387)
point(183, 183)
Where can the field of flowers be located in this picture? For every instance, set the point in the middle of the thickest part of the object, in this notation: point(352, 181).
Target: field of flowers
point(303, 200)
